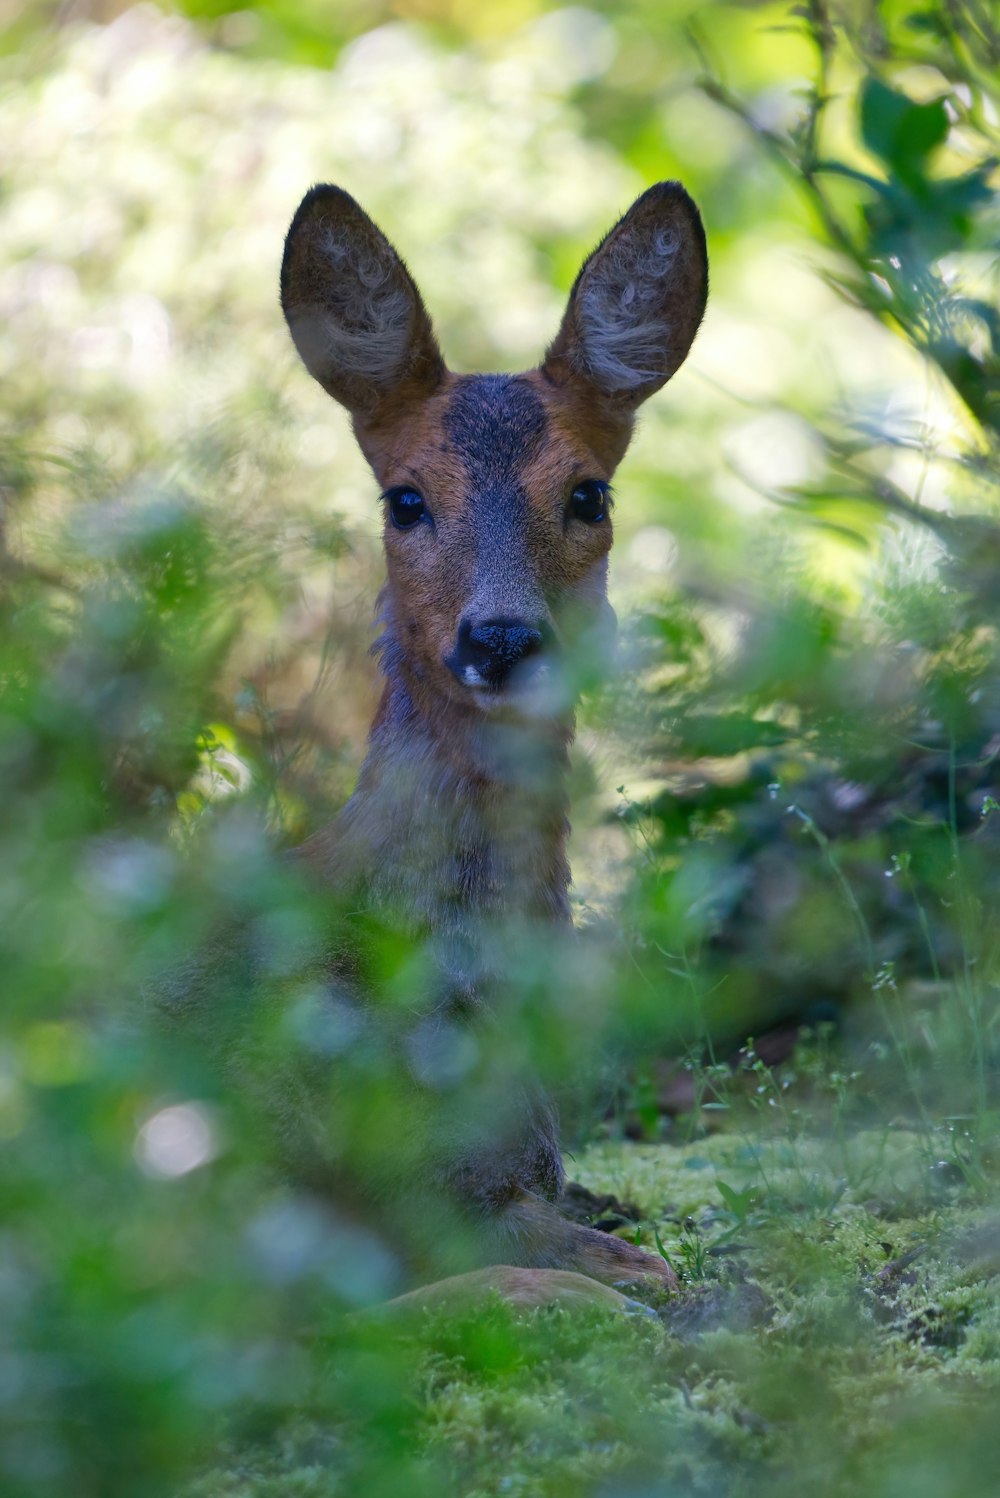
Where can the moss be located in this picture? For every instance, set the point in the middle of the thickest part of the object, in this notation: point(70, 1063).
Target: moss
point(808, 1356)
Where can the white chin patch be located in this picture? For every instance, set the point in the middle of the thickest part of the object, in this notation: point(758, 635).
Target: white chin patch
point(534, 690)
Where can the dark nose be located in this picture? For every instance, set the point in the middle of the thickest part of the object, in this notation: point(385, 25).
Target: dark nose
point(496, 646)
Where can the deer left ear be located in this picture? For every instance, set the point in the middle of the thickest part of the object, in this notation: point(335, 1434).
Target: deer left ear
point(637, 303)
point(352, 307)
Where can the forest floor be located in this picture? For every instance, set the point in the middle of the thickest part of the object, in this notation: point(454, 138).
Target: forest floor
point(837, 1332)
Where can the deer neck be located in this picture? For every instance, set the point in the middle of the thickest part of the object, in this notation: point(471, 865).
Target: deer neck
point(462, 814)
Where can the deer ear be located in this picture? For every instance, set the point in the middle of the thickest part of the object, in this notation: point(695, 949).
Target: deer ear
point(353, 308)
point(637, 303)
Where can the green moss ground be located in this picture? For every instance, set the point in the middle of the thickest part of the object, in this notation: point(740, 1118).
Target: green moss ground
point(843, 1337)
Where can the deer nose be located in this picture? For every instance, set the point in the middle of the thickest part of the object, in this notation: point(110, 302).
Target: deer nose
point(488, 652)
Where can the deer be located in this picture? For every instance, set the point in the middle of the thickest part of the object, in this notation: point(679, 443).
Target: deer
point(497, 531)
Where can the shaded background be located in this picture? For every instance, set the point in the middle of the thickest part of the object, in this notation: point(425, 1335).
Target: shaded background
point(785, 798)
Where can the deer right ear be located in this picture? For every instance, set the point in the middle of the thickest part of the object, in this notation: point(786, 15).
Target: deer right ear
point(353, 309)
point(636, 304)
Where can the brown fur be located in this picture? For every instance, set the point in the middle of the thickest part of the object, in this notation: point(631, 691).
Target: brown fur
point(459, 820)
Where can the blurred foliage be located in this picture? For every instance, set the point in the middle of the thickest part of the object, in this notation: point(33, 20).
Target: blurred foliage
point(804, 729)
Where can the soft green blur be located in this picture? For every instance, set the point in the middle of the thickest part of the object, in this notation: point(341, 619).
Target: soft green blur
point(786, 795)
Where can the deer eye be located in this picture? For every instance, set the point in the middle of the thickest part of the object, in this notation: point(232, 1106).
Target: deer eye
point(589, 501)
point(406, 508)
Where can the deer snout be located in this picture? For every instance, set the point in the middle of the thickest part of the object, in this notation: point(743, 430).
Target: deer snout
point(486, 653)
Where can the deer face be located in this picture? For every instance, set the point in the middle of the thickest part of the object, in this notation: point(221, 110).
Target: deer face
point(496, 487)
point(497, 530)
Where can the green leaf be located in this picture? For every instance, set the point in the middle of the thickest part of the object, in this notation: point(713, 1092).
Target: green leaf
point(734, 1200)
point(662, 1251)
point(899, 131)
point(718, 734)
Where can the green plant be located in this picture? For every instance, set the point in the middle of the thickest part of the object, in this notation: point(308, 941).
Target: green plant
point(806, 575)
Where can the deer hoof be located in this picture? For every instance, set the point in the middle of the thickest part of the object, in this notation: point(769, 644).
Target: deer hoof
point(622, 1264)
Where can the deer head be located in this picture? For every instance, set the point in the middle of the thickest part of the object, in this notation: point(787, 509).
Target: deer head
point(496, 487)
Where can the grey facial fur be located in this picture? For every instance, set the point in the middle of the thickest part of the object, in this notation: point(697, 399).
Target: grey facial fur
point(497, 424)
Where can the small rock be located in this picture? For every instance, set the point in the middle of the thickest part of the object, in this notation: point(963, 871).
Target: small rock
point(709, 1307)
